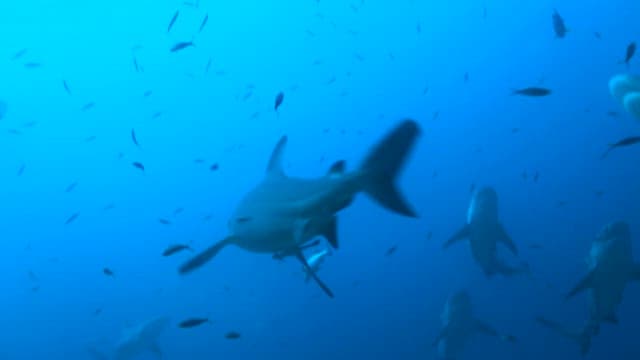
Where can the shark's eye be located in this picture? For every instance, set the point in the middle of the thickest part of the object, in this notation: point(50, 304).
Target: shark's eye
point(243, 219)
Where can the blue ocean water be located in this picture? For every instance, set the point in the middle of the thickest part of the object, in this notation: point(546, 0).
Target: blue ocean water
point(80, 76)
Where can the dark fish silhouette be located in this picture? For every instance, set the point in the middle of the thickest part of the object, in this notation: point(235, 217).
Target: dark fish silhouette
point(174, 249)
point(182, 45)
point(191, 323)
point(278, 101)
point(19, 54)
point(71, 218)
point(108, 272)
point(66, 87)
point(134, 138)
point(88, 106)
point(391, 250)
point(532, 91)
point(173, 20)
point(203, 23)
point(164, 221)
point(138, 165)
point(32, 65)
point(631, 50)
point(136, 66)
point(214, 167)
point(632, 140)
point(232, 335)
point(21, 169)
point(147, 93)
point(71, 187)
point(597, 35)
point(558, 25)
point(208, 66)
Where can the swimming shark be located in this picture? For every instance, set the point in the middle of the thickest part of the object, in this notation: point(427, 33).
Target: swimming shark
point(484, 231)
point(610, 268)
point(315, 261)
point(282, 213)
point(141, 338)
point(459, 325)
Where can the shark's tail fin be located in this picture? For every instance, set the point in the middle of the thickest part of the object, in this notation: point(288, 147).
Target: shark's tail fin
point(582, 338)
point(383, 164)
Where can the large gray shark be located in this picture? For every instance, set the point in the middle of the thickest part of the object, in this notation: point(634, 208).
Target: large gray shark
point(611, 268)
point(484, 231)
point(282, 213)
point(142, 338)
point(459, 325)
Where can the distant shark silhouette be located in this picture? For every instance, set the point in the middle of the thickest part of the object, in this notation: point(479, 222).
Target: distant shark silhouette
point(140, 339)
point(611, 268)
point(282, 213)
point(484, 231)
point(459, 325)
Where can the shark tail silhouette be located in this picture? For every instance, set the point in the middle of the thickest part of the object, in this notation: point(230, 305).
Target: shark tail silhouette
point(381, 167)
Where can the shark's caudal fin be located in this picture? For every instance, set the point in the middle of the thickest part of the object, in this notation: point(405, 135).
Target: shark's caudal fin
point(313, 275)
point(460, 235)
point(582, 338)
point(383, 164)
point(205, 256)
point(584, 284)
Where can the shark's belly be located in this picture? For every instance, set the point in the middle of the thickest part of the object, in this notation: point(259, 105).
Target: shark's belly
point(266, 234)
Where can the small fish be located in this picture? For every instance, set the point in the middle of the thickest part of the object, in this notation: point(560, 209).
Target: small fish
point(391, 250)
point(138, 165)
point(147, 93)
point(631, 50)
point(19, 54)
point(359, 57)
point(418, 28)
point(66, 87)
point(597, 35)
point(472, 188)
point(71, 218)
point(90, 139)
point(436, 115)
point(632, 140)
point(32, 65)
point(88, 106)
point(208, 66)
point(108, 272)
point(598, 193)
point(21, 169)
point(191, 323)
point(30, 124)
point(535, 246)
point(178, 211)
point(204, 22)
point(214, 167)
point(232, 335)
point(247, 96)
point(558, 25)
point(136, 66)
point(536, 176)
point(174, 249)
point(532, 91)
point(613, 114)
point(466, 77)
point(71, 187)
point(156, 115)
point(97, 312)
point(32, 276)
point(108, 207)
point(278, 101)
point(164, 221)
point(14, 131)
point(207, 218)
point(133, 137)
point(515, 130)
point(173, 20)
point(181, 46)
point(430, 235)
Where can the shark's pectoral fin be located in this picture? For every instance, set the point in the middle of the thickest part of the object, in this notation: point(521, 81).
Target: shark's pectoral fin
point(443, 334)
point(584, 284)
point(313, 275)
point(485, 328)
point(205, 256)
point(329, 230)
point(462, 234)
point(155, 350)
point(505, 239)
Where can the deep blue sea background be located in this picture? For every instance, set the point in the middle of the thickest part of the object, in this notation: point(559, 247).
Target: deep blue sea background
point(349, 71)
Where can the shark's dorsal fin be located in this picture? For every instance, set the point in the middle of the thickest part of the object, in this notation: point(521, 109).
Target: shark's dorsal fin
point(275, 162)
